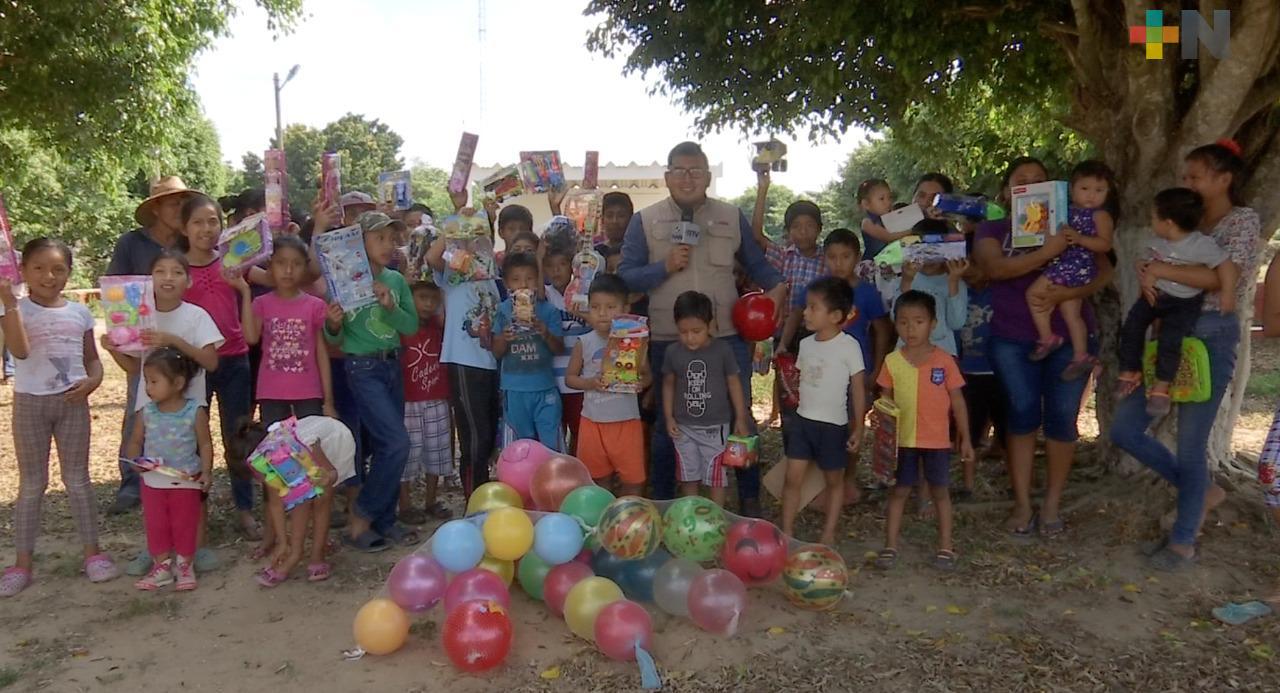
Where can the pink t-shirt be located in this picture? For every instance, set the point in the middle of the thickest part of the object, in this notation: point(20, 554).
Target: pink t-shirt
point(211, 292)
point(289, 329)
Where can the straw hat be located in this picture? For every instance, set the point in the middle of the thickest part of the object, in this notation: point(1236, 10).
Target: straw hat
point(161, 188)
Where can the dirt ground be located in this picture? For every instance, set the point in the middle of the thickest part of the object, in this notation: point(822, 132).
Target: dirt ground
point(1076, 613)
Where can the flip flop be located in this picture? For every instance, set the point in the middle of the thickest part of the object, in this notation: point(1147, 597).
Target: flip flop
point(369, 541)
point(404, 536)
point(318, 572)
point(270, 577)
point(1049, 530)
point(1027, 531)
point(886, 559)
point(1239, 614)
point(1125, 386)
point(946, 561)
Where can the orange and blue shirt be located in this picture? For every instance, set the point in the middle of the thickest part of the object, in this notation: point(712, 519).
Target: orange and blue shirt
point(923, 396)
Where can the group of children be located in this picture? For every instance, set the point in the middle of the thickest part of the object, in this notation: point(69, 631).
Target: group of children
point(440, 352)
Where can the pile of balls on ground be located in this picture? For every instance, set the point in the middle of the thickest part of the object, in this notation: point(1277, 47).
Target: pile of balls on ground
point(593, 559)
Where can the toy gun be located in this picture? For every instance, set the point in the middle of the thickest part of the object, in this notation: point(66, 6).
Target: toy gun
point(625, 354)
point(285, 465)
point(741, 451)
point(969, 206)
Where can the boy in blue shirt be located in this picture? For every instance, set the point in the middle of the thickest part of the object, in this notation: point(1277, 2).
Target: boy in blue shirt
point(526, 337)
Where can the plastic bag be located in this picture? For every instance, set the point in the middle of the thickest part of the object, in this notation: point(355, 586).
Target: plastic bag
point(128, 308)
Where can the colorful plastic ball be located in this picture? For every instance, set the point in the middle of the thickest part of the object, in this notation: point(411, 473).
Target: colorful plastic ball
point(416, 583)
point(458, 545)
point(532, 573)
point(636, 577)
point(586, 504)
point(606, 564)
point(630, 527)
point(517, 463)
point(717, 600)
point(477, 635)
point(474, 584)
point(620, 627)
point(815, 577)
point(583, 604)
point(503, 569)
point(755, 551)
point(753, 317)
point(381, 627)
point(694, 527)
point(508, 533)
point(560, 579)
point(493, 495)
point(557, 538)
point(555, 479)
point(671, 585)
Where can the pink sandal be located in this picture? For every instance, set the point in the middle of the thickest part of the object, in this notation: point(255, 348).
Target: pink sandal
point(318, 572)
point(100, 568)
point(14, 580)
point(270, 577)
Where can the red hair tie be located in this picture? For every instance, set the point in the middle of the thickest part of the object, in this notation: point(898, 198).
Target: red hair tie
point(1230, 145)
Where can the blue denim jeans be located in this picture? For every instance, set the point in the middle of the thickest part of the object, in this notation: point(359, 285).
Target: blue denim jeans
point(230, 383)
point(349, 413)
point(1188, 469)
point(1038, 396)
point(663, 454)
point(378, 391)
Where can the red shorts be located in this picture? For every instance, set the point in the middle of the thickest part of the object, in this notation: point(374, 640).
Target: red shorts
point(607, 448)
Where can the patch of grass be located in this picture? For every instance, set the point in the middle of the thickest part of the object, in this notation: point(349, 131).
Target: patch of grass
point(9, 676)
point(1265, 385)
point(143, 606)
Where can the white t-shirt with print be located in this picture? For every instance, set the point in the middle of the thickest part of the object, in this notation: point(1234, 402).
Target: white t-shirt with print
point(825, 370)
point(56, 339)
point(193, 325)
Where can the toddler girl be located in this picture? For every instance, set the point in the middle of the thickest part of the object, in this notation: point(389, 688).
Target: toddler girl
point(57, 368)
point(1091, 223)
point(173, 429)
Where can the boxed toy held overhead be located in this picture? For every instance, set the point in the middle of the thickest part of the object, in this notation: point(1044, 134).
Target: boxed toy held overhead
point(1038, 210)
point(626, 354)
point(8, 254)
point(541, 172)
point(503, 184)
point(591, 171)
point(395, 189)
point(275, 177)
point(468, 249)
point(286, 466)
point(583, 207)
point(245, 244)
point(128, 308)
point(967, 206)
point(770, 156)
point(462, 162)
point(346, 268)
point(330, 179)
point(904, 219)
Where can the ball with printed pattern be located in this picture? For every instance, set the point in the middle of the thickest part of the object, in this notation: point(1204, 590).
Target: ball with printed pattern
point(815, 577)
point(630, 527)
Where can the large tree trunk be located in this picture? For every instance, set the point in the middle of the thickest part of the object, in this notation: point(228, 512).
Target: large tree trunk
point(1145, 116)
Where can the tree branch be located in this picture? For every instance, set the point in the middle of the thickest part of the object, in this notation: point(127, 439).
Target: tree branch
point(1265, 94)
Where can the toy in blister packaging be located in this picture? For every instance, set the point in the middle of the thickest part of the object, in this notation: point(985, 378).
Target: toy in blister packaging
point(541, 172)
point(741, 451)
point(330, 180)
point(770, 156)
point(8, 255)
point(583, 208)
point(468, 250)
point(884, 448)
point(788, 379)
point(591, 171)
point(276, 192)
point(420, 240)
point(286, 466)
point(1038, 210)
point(967, 206)
point(522, 304)
point(346, 268)
point(128, 308)
point(245, 244)
point(503, 184)
point(587, 263)
point(762, 357)
point(395, 189)
point(462, 162)
point(626, 354)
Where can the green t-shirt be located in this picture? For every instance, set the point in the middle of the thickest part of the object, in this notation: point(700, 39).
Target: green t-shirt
point(374, 328)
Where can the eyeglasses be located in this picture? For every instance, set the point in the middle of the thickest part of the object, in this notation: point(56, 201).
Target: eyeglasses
point(682, 173)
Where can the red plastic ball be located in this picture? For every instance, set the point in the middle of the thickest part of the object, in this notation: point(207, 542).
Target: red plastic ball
point(753, 317)
point(477, 635)
point(755, 551)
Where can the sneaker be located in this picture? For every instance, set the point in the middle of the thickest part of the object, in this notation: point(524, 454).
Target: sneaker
point(160, 576)
point(1043, 349)
point(139, 565)
point(205, 560)
point(186, 577)
point(100, 568)
point(122, 505)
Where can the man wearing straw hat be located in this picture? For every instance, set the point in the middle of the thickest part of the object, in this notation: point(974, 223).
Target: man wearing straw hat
point(160, 216)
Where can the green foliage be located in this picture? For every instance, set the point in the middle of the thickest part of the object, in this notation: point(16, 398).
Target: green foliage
point(776, 201)
point(429, 188)
point(367, 148)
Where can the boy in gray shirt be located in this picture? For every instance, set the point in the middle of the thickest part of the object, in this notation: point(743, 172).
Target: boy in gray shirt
point(699, 383)
point(1174, 218)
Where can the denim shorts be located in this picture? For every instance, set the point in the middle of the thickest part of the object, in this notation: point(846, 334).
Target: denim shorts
point(1038, 397)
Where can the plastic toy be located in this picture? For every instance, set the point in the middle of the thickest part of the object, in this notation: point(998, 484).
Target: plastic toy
point(462, 162)
point(346, 267)
point(884, 450)
point(968, 206)
point(330, 179)
point(128, 307)
point(245, 244)
point(1193, 382)
point(1038, 210)
point(591, 171)
point(157, 465)
point(395, 188)
point(8, 258)
point(503, 184)
point(925, 250)
point(285, 464)
point(740, 451)
point(522, 303)
point(468, 249)
point(789, 379)
point(753, 317)
point(541, 172)
point(277, 196)
point(626, 353)
point(770, 156)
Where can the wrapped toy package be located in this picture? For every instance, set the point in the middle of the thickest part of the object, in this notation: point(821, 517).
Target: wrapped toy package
point(1192, 383)
point(462, 162)
point(277, 195)
point(626, 354)
point(591, 171)
point(346, 268)
point(128, 308)
point(541, 172)
point(468, 250)
point(1038, 210)
point(8, 257)
point(330, 179)
point(503, 184)
point(395, 189)
point(741, 451)
point(788, 379)
point(245, 244)
point(884, 448)
point(582, 208)
point(285, 464)
point(522, 305)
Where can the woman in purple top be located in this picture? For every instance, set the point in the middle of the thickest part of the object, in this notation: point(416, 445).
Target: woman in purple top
point(1038, 395)
point(1216, 171)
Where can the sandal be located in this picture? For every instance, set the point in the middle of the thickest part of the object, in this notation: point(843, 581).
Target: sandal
point(1028, 530)
point(1044, 348)
point(369, 541)
point(1049, 530)
point(440, 511)
point(1126, 385)
point(100, 568)
point(260, 552)
point(946, 561)
point(1079, 368)
point(318, 572)
point(1158, 404)
point(270, 577)
point(404, 536)
point(14, 580)
point(886, 559)
point(413, 517)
